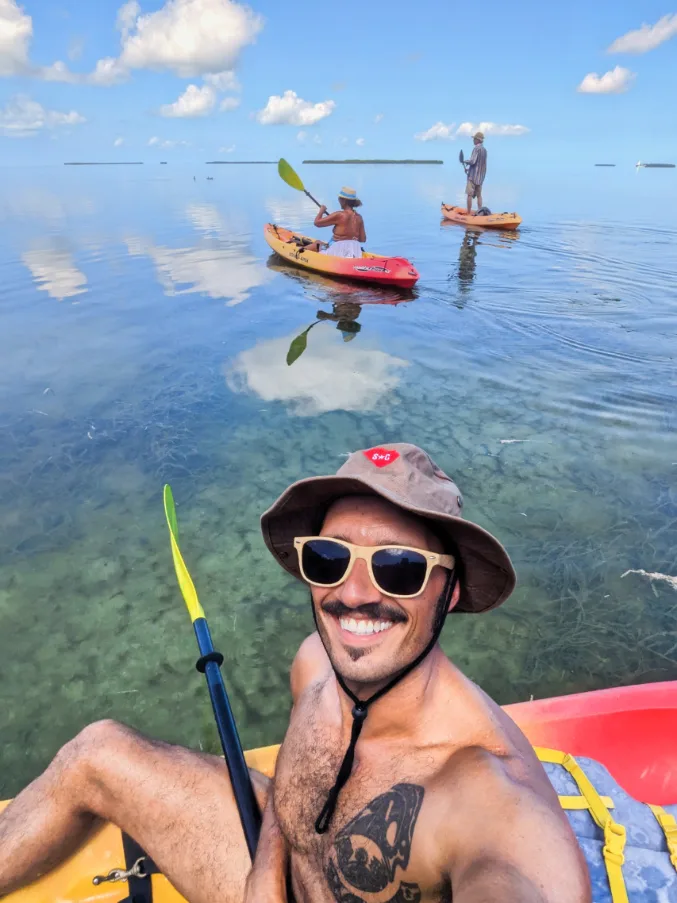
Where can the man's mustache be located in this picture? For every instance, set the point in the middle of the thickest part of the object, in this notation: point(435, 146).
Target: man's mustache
point(375, 611)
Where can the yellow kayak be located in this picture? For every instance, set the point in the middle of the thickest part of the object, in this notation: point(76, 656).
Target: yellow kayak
point(630, 730)
point(72, 882)
point(371, 268)
point(473, 221)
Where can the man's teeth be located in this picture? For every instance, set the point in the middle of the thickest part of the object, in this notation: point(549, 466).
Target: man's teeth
point(364, 627)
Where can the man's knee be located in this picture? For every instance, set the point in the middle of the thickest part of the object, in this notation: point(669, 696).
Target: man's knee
point(77, 763)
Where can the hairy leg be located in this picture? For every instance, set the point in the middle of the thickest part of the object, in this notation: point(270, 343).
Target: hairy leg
point(176, 803)
point(479, 198)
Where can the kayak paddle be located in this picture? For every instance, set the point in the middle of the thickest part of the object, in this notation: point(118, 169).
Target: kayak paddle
point(209, 664)
point(288, 175)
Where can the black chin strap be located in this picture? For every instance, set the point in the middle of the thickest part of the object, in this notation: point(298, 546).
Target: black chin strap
point(361, 707)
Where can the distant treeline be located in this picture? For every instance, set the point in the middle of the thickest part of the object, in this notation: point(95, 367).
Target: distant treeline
point(436, 162)
point(236, 162)
point(104, 163)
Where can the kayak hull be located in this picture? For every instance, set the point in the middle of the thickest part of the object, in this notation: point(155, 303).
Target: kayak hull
point(373, 269)
point(509, 221)
point(630, 730)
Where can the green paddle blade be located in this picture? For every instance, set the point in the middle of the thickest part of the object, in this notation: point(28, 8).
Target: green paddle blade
point(288, 175)
point(186, 584)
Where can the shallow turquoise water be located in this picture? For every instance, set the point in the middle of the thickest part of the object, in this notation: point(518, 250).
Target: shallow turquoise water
point(145, 329)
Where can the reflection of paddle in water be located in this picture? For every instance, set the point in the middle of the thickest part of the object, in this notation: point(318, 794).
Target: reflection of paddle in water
point(344, 314)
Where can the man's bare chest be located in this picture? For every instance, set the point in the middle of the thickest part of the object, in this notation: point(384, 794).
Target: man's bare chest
point(377, 847)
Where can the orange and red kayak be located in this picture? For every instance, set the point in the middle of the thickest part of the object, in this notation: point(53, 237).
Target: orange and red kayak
point(630, 730)
point(372, 268)
point(473, 221)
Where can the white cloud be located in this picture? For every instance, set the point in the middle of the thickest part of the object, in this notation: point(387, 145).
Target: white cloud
point(360, 142)
point(442, 132)
point(290, 109)
point(437, 132)
point(646, 38)
point(223, 81)
point(378, 118)
point(310, 386)
point(157, 142)
point(189, 37)
point(16, 31)
point(57, 72)
point(490, 128)
point(108, 71)
point(127, 16)
point(118, 142)
point(317, 139)
point(193, 102)
point(616, 81)
point(228, 104)
point(302, 137)
point(227, 149)
point(55, 272)
point(23, 117)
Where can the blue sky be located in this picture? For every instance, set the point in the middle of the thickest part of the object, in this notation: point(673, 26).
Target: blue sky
point(203, 79)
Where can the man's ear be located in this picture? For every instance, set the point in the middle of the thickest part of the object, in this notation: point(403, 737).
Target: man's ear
point(455, 596)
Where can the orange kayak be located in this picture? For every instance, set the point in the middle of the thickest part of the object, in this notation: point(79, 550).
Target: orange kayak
point(492, 221)
point(372, 268)
point(630, 730)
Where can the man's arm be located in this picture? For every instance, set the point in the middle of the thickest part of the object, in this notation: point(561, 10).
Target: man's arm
point(513, 843)
point(267, 879)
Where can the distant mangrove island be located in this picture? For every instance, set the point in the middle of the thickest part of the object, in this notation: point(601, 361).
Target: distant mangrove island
point(399, 162)
point(105, 163)
point(239, 162)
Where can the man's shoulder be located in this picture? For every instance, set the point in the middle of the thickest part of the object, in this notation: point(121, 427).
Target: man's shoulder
point(311, 664)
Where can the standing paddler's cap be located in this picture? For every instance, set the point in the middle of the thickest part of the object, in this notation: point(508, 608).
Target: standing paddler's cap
point(406, 476)
point(348, 193)
point(479, 136)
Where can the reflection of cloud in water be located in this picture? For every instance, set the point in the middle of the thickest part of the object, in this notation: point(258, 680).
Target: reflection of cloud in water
point(219, 272)
point(208, 219)
point(296, 212)
point(35, 203)
point(329, 375)
point(55, 272)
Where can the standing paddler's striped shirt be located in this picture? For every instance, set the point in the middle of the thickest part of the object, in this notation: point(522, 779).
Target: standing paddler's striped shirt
point(477, 168)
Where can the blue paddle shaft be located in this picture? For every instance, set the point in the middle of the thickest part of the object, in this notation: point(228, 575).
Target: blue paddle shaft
point(250, 814)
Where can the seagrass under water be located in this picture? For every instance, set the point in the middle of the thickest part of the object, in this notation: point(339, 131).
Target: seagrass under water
point(146, 338)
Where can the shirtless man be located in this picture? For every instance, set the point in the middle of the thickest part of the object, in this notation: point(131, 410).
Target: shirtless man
point(348, 225)
point(444, 798)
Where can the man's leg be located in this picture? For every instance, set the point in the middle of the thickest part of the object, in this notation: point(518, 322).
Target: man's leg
point(176, 803)
point(469, 194)
point(479, 197)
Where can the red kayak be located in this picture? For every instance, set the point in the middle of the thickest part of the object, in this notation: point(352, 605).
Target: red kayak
point(630, 730)
point(373, 268)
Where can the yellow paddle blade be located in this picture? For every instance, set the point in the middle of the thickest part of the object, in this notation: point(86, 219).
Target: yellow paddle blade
point(186, 584)
point(289, 175)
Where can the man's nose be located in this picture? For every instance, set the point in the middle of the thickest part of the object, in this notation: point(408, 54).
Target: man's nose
point(358, 589)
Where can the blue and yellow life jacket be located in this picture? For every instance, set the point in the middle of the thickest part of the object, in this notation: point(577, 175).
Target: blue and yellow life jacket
point(630, 848)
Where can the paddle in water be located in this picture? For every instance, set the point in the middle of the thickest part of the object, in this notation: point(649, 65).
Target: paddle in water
point(209, 664)
point(291, 177)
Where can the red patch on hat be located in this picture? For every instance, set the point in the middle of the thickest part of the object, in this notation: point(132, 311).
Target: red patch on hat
point(381, 457)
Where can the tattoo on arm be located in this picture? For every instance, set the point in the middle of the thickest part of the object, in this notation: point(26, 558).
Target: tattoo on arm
point(370, 849)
